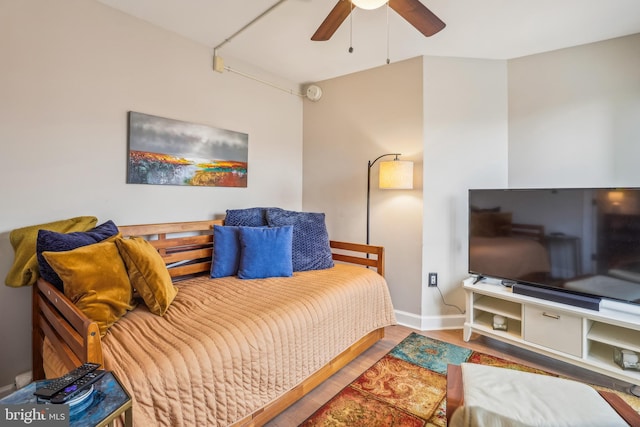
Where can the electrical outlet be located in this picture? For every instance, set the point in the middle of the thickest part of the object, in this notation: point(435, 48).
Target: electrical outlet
point(433, 279)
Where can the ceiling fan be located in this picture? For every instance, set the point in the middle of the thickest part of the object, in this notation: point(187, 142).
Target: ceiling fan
point(412, 11)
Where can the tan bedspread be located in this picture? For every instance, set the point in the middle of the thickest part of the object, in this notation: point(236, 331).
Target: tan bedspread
point(226, 347)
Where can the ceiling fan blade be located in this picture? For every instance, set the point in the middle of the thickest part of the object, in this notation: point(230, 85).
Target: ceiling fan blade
point(331, 23)
point(418, 15)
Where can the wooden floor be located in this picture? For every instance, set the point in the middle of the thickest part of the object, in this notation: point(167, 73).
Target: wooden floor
point(299, 411)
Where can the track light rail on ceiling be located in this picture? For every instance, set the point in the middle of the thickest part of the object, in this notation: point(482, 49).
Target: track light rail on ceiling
point(218, 63)
point(253, 21)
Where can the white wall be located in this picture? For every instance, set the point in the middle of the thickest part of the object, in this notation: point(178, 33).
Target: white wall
point(70, 71)
point(574, 116)
point(360, 117)
point(568, 118)
point(465, 146)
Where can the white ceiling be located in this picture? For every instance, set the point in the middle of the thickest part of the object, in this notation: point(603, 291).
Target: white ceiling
point(280, 41)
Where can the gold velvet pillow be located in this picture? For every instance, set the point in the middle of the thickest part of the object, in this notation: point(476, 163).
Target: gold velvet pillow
point(24, 271)
point(95, 279)
point(148, 273)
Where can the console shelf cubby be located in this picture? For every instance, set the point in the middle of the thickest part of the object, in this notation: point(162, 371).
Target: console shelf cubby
point(485, 307)
point(583, 337)
point(614, 336)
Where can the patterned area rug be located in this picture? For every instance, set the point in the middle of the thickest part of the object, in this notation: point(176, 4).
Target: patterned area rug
point(407, 387)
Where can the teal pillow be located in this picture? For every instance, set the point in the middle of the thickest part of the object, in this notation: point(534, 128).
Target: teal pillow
point(226, 251)
point(265, 252)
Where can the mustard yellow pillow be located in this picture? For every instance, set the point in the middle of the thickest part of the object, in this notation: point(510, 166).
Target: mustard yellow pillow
point(95, 279)
point(24, 270)
point(148, 273)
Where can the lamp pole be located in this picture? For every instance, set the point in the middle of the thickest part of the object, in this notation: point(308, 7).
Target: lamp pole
point(370, 164)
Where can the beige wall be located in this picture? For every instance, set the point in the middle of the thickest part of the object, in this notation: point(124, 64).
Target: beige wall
point(447, 115)
point(70, 71)
point(574, 116)
point(360, 117)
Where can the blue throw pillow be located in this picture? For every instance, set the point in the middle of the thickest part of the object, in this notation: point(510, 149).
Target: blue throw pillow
point(249, 217)
point(266, 252)
point(226, 251)
point(311, 250)
point(51, 241)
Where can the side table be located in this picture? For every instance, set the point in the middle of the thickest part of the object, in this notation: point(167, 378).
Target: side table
point(109, 400)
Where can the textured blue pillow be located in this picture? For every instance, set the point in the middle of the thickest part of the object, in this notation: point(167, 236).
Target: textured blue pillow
point(311, 250)
point(51, 241)
point(226, 251)
point(266, 252)
point(249, 217)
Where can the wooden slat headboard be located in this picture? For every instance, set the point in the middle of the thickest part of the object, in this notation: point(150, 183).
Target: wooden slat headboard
point(186, 247)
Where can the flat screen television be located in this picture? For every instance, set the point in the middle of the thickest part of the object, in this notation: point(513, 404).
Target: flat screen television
point(583, 241)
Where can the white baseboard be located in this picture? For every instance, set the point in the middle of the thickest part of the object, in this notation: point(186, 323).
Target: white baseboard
point(23, 379)
point(5, 390)
point(430, 323)
point(408, 319)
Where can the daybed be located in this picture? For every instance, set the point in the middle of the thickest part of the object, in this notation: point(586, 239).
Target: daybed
point(227, 351)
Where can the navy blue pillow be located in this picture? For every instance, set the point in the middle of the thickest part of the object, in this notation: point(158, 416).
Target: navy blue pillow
point(311, 250)
point(249, 217)
point(226, 251)
point(51, 241)
point(265, 252)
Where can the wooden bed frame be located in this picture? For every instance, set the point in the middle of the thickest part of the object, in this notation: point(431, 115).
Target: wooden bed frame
point(455, 398)
point(186, 248)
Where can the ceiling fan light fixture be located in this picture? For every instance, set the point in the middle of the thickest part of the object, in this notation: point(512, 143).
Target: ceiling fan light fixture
point(413, 11)
point(369, 4)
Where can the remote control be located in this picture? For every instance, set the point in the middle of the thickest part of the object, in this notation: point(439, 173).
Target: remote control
point(58, 384)
point(77, 387)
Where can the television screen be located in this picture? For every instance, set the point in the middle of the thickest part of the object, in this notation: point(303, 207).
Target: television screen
point(583, 241)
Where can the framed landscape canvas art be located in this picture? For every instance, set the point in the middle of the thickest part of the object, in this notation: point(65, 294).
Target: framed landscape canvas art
point(172, 152)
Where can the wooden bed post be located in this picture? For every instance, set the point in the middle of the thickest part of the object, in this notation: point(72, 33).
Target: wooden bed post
point(92, 344)
point(36, 336)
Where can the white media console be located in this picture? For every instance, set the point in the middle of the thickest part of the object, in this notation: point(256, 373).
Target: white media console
point(584, 337)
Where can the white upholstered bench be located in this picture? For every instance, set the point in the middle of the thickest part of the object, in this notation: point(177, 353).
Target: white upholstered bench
point(488, 396)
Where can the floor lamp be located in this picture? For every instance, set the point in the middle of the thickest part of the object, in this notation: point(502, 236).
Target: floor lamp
point(394, 174)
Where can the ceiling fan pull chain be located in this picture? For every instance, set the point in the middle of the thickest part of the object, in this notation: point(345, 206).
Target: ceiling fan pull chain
point(388, 60)
point(351, 29)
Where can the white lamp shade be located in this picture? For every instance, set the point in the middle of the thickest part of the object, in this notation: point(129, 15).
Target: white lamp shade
point(368, 4)
point(396, 174)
